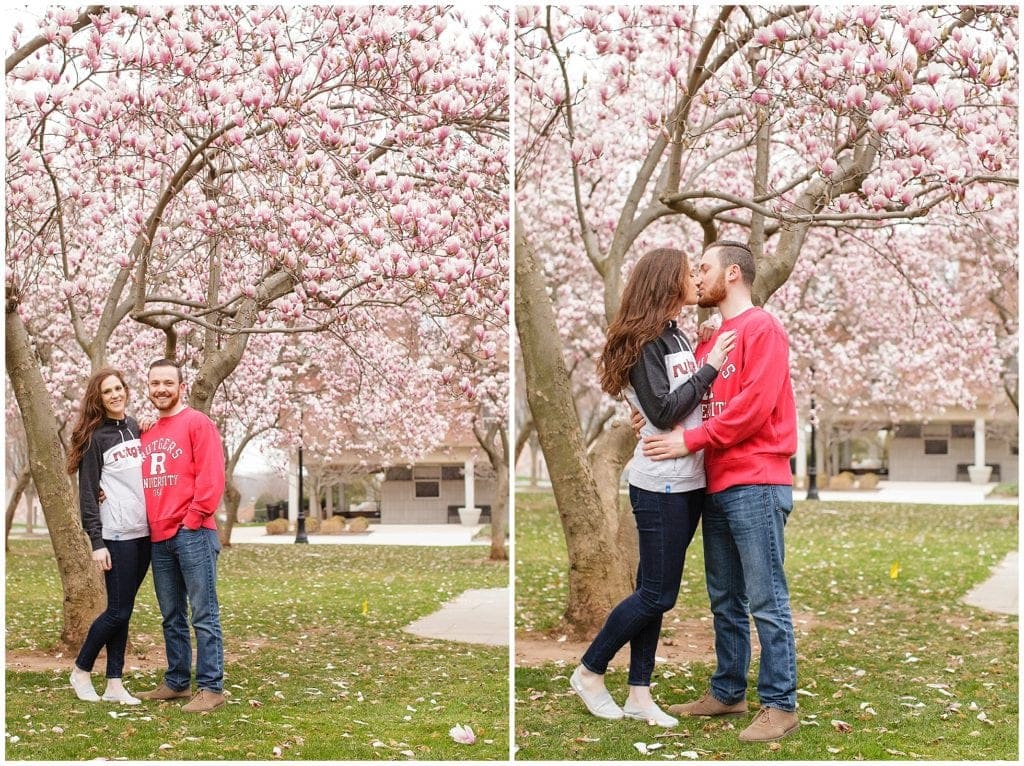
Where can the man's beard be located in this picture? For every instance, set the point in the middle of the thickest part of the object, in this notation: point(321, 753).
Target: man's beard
point(712, 295)
point(167, 403)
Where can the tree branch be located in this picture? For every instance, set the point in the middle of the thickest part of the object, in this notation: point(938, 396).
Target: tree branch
point(590, 243)
point(39, 41)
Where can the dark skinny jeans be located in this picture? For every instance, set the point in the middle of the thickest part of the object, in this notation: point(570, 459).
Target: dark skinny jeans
point(129, 563)
point(665, 524)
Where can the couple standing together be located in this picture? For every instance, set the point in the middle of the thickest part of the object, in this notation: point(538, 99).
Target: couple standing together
point(143, 498)
point(727, 461)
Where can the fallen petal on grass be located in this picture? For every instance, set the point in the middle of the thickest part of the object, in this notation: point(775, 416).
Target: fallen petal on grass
point(462, 734)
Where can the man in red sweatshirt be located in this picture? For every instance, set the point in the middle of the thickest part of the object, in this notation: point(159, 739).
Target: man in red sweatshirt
point(183, 481)
point(748, 435)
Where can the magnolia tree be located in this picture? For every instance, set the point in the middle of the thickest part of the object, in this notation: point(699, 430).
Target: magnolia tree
point(481, 373)
point(248, 408)
point(390, 393)
point(374, 394)
point(474, 375)
point(210, 174)
point(491, 428)
point(844, 144)
point(879, 332)
point(912, 337)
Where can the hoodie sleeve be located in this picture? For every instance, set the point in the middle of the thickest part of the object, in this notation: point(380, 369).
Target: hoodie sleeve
point(208, 454)
point(88, 493)
point(664, 408)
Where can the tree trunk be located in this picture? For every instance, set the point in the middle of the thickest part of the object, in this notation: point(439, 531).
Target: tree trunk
point(499, 519)
point(24, 475)
point(232, 497)
point(80, 579)
point(30, 510)
point(608, 456)
point(315, 508)
point(600, 571)
point(220, 362)
point(499, 511)
point(534, 462)
point(494, 441)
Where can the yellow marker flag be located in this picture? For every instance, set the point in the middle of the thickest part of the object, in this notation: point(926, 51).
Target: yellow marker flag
point(894, 570)
point(366, 606)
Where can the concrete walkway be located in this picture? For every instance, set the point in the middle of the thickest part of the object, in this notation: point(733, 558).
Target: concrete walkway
point(929, 492)
point(477, 616)
point(999, 593)
point(440, 535)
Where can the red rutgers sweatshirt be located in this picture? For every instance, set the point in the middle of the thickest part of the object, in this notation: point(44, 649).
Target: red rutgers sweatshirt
point(182, 473)
point(749, 429)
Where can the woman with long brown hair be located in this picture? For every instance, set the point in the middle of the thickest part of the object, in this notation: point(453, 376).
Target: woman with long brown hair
point(650, 362)
point(107, 454)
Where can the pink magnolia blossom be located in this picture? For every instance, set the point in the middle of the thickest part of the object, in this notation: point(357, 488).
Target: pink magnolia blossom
point(462, 734)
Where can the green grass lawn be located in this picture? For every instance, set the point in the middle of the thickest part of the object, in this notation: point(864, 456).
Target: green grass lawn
point(913, 672)
point(318, 665)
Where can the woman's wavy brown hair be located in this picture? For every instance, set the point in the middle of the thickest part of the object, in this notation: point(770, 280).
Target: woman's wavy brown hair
point(90, 414)
point(654, 295)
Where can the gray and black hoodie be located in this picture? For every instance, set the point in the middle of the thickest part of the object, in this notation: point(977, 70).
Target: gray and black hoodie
point(666, 386)
point(113, 462)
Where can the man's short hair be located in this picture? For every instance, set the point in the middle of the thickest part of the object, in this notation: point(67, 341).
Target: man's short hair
point(168, 363)
point(732, 252)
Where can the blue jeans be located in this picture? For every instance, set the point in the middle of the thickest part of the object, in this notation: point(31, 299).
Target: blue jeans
point(185, 573)
point(744, 551)
point(665, 524)
point(129, 561)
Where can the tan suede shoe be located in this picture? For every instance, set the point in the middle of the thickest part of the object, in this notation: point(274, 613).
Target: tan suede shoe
point(164, 692)
point(708, 706)
point(769, 725)
point(204, 701)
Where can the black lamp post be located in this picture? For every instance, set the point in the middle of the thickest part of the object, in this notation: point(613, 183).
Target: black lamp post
point(300, 519)
point(812, 468)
